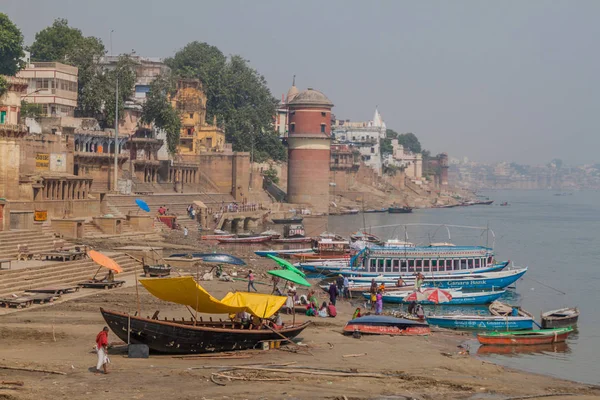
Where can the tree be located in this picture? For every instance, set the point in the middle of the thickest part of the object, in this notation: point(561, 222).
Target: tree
point(410, 142)
point(157, 110)
point(30, 110)
point(237, 95)
point(270, 175)
point(62, 43)
point(11, 47)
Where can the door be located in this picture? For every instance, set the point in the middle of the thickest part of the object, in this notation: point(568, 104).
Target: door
point(2, 117)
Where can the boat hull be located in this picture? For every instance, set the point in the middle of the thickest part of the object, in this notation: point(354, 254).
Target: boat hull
point(488, 323)
point(357, 273)
point(242, 240)
point(384, 325)
point(280, 221)
point(293, 240)
point(463, 299)
point(531, 338)
point(560, 318)
point(176, 338)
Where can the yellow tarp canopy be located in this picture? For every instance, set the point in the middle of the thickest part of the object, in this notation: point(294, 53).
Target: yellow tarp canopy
point(185, 290)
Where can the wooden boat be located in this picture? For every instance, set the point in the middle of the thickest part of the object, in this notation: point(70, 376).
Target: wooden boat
point(521, 338)
point(215, 237)
point(560, 347)
point(501, 309)
point(293, 220)
point(385, 325)
point(94, 284)
point(271, 233)
point(560, 318)
point(293, 240)
point(379, 210)
point(481, 322)
point(220, 258)
point(183, 337)
point(281, 253)
point(252, 239)
point(458, 298)
point(157, 270)
point(400, 210)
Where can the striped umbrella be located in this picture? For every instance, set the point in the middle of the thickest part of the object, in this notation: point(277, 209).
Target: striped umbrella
point(416, 296)
point(437, 295)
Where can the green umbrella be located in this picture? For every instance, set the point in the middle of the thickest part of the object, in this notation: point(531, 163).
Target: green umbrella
point(286, 264)
point(289, 276)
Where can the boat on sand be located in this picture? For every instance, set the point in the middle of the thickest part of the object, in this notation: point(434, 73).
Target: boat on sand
point(385, 325)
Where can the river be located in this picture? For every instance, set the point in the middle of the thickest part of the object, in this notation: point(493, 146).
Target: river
point(555, 236)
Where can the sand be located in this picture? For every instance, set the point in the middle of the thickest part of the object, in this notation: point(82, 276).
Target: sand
point(60, 337)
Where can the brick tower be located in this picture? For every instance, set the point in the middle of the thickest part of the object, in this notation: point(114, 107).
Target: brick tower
point(309, 144)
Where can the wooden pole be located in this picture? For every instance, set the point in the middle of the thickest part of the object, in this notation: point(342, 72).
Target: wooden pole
point(137, 293)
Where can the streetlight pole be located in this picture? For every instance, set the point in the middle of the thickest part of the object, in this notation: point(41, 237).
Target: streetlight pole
point(116, 134)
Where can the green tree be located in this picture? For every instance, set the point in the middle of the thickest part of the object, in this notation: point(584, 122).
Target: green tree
point(11, 47)
point(157, 110)
point(410, 142)
point(30, 110)
point(237, 95)
point(270, 175)
point(62, 43)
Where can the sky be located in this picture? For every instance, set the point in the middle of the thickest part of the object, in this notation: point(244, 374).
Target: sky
point(511, 80)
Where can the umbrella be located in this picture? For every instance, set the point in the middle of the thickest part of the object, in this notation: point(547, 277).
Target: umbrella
point(286, 264)
point(438, 295)
point(104, 261)
point(142, 204)
point(289, 276)
point(416, 296)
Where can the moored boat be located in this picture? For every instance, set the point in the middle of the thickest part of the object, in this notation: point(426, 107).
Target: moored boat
point(250, 239)
point(385, 325)
point(157, 270)
point(533, 337)
point(560, 318)
point(481, 322)
point(400, 210)
point(293, 240)
point(264, 253)
point(293, 220)
point(216, 236)
point(458, 298)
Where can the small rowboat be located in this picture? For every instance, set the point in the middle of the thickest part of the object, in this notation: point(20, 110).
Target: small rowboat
point(215, 237)
point(293, 240)
point(252, 239)
point(384, 325)
point(560, 318)
point(159, 270)
point(534, 337)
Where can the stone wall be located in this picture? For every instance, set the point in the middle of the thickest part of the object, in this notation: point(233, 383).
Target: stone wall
point(10, 161)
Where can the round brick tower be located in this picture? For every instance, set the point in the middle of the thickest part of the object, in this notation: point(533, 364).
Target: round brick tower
point(309, 144)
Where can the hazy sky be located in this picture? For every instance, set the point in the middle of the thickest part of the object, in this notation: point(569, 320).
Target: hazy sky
point(505, 80)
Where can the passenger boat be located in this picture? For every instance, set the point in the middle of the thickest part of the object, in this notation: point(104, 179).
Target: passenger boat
point(199, 336)
point(560, 318)
point(385, 325)
point(458, 298)
point(280, 253)
point(187, 337)
point(533, 337)
point(271, 233)
point(293, 220)
point(486, 280)
point(400, 210)
point(481, 322)
point(327, 249)
point(377, 210)
point(293, 240)
point(365, 237)
point(250, 239)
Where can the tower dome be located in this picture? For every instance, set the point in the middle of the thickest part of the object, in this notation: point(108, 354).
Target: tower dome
point(311, 97)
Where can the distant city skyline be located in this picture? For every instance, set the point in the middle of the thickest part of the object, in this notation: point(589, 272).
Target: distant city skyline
point(490, 81)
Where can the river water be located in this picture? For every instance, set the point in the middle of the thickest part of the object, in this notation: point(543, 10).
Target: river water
point(555, 236)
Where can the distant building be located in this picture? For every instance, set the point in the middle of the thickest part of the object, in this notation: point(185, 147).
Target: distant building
point(365, 136)
point(53, 85)
point(412, 163)
point(282, 112)
point(196, 135)
point(10, 106)
point(146, 70)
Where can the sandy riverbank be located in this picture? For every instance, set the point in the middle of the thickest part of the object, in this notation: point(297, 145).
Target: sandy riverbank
point(60, 338)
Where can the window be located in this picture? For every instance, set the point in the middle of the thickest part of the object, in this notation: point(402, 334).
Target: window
point(388, 265)
point(293, 127)
point(470, 263)
point(373, 266)
point(396, 265)
point(403, 266)
point(323, 114)
point(426, 263)
point(456, 264)
point(419, 263)
point(191, 115)
point(434, 263)
point(2, 117)
point(477, 262)
point(463, 264)
point(411, 265)
point(380, 264)
point(372, 149)
point(322, 128)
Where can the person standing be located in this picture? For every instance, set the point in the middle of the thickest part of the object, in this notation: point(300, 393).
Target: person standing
point(373, 292)
point(251, 280)
point(379, 303)
point(339, 281)
point(333, 291)
point(346, 292)
point(102, 347)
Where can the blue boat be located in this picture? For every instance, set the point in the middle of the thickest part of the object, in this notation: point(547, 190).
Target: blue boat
point(458, 298)
point(265, 253)
point(210, 257)
point(489, 280)
point(482, 322)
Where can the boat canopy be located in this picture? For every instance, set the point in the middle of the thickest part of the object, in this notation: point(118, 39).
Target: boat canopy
point(186, 291)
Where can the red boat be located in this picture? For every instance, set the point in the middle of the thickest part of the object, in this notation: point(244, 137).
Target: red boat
point(251, 239)
point(517, 338)
point(384, 325)
point(293, 240)
point(215, 237)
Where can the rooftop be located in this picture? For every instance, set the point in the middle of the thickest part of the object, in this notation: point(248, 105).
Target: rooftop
point(311, 97)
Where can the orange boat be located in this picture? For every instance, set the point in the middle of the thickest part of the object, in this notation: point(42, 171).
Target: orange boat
point(519, 338)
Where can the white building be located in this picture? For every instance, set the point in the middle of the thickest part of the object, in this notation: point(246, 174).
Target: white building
point(411, 162)
point(365, 136)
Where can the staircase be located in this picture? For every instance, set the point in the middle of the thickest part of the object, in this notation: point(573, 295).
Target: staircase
point(36, 241)
point(59, 273)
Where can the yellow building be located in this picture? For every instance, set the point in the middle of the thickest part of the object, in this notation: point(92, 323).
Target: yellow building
point(196, 135)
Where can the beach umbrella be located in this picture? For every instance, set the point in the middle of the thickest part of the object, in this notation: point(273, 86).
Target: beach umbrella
point(142, 205)
point(105, 261)
point(289, 276)
point(416, 296)
point(437, 295)
point(286, 264)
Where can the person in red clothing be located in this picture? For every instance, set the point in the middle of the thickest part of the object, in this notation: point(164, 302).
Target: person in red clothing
point(102, 346)
point(331, 310)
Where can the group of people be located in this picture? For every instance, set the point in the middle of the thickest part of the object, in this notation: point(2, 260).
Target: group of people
point(162, 210)
point(192, 211)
